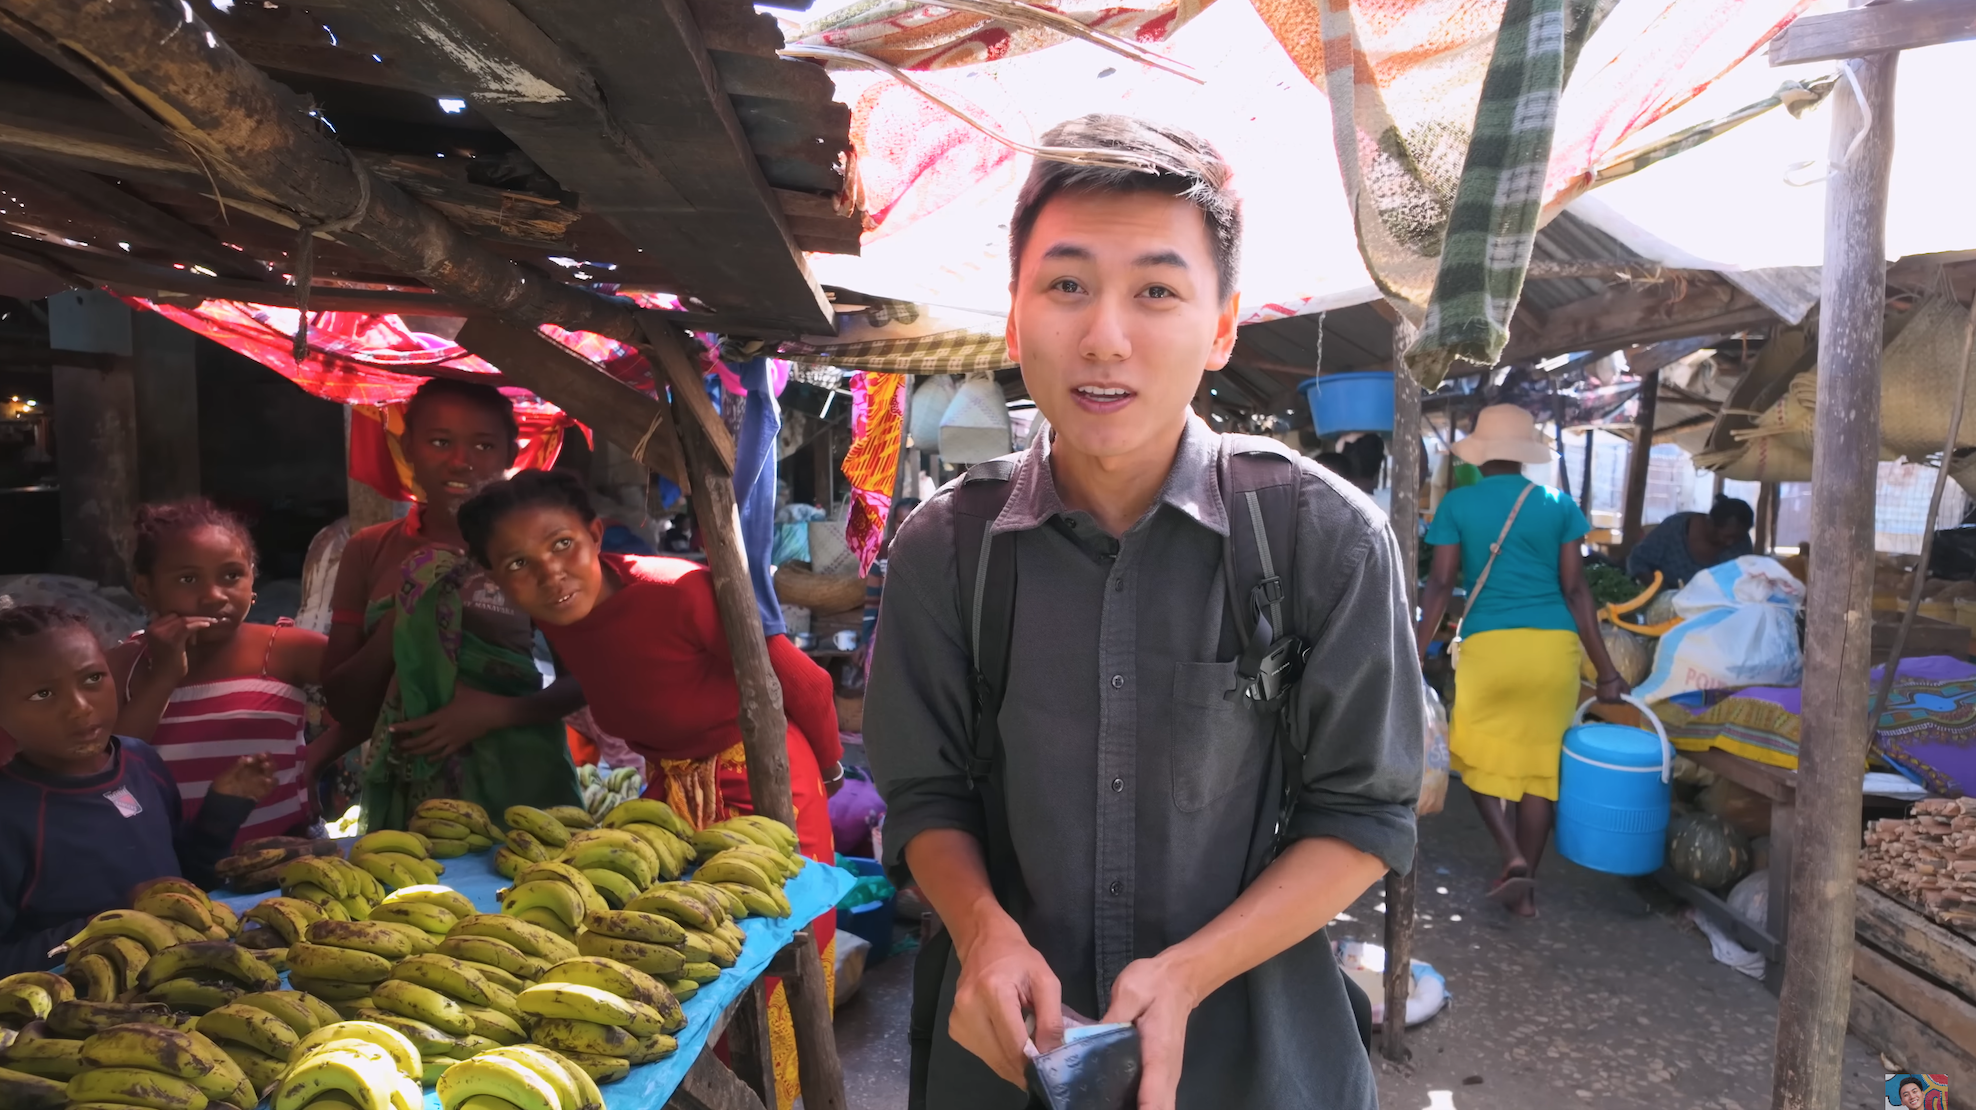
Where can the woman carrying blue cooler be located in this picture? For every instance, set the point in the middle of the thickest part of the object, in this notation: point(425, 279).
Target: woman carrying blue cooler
point(1515, 545)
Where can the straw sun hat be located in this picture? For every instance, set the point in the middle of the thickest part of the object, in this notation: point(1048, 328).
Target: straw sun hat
point(1506, 433)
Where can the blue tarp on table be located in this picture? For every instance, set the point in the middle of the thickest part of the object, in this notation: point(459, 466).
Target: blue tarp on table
point(814, 892)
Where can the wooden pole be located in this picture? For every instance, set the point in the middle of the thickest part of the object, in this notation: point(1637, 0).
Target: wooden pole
point(1766, 518)
point(166, 379)
point(1813, 1005)
point(1639, 459)
point(95, 413)
point(1405, 515)
point(1585, 475)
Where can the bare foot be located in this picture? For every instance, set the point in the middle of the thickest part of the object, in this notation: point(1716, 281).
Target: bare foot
point(1526, 906)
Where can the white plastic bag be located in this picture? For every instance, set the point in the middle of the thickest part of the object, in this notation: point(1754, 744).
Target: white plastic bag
point(1741, 629)
point(1434, 765)
point(929, 404)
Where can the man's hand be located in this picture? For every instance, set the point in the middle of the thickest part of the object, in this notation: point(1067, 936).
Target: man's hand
point(1158, 998)
point(251, 777)
point(471, 715)
point(1001, 978)
point(166, 641)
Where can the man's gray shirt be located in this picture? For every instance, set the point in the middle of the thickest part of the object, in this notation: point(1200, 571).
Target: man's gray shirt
point(1135, 771)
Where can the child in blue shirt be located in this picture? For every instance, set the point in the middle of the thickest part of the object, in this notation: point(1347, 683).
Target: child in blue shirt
point(86, 816)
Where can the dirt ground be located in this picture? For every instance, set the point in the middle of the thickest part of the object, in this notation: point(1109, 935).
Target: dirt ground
point(1608, 998)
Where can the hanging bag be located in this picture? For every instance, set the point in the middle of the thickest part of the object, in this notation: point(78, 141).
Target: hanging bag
point(1481, 580)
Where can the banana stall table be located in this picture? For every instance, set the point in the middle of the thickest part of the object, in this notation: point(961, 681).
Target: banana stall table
point(692, 1078)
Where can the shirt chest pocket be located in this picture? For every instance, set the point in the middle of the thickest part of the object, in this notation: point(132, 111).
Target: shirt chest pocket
point(1218, 739)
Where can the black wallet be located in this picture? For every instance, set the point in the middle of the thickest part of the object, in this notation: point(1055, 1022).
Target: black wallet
point(1099, 1072)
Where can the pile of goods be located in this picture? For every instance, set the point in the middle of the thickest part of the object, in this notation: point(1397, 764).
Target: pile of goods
point(258, 865)
point(605, 788)
point(1927, 860)
point(397, 981)
point(1629, 644)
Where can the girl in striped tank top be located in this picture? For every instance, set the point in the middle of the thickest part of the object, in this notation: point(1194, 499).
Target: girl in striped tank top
point(203, 687)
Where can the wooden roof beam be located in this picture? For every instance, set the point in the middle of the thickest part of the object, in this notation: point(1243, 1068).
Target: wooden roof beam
point(255, 135)
point(1629, 315)
point(621, 105)
point(1873, 30)
point(148, 225)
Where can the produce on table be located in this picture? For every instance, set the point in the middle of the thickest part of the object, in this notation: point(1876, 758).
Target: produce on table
point(151, 1065)
point(334, 885)
point(526, 1077)
point(538, 824)
point(1611, 585)
point(358, 1063)
point(1927, 860)
point(397, 858)
point(258, 865)
point(453, 827)
point(1706, 850)
point(604, 788)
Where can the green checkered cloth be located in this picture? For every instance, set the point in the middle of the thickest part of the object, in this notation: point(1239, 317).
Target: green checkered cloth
point(1494, 221)
point(946, 352)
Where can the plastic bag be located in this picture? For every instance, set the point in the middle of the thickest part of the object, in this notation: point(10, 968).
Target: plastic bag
point(1434, 764)
point(1741, 629)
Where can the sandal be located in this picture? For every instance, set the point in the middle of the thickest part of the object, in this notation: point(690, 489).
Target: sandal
point(1511, 888)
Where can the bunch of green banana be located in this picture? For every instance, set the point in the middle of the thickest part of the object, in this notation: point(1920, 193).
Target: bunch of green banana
point(602, 1014)
point(260, 1032)
point(525, 1077)
point(538, 823)
point(153, 933)
point(520, 851)
point(681, 933)
point(164, 1069)
point(451, 996)
point(618, 862)
point(38, 1051)
point(453, 827)
point(176, 900)
point(553, 895)
point(258, 865)
point(105, 967)
point(432, 908)
point(21, 1091)
point(203, 975)
point(604, 789)
point(654, 822)
point(529, 939)
point(359, 1064)
point(397, 858)
point(341, 961)
point(333, 884)
point(30, 995)
point(78, 1018)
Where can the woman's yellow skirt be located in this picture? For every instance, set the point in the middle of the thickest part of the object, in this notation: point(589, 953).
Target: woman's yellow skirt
point(1515, 692)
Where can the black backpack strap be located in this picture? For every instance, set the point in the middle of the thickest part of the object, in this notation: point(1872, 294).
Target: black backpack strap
point(986, 572)
point(1259, 484)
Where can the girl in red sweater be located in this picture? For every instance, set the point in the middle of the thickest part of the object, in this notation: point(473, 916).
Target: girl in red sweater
point(643, 638)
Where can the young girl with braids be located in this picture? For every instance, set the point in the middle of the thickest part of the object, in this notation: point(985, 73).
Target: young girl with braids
point(86, 816)
point(200, 684)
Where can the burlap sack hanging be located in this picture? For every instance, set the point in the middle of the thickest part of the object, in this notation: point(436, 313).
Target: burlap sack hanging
point(929, 404)
point(1918, 372)
point(975, 427)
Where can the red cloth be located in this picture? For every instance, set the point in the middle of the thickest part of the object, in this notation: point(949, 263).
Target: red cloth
point(655, 666)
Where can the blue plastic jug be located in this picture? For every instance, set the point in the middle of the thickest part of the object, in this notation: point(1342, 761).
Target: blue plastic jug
point(1613, 794)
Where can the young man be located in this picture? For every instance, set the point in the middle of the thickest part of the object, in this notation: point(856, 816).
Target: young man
point(1136, 778)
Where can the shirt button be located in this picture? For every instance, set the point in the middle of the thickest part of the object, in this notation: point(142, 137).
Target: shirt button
point(1118, 585)
point(1118, 682)
point(1116, 887)
point(1118, 786)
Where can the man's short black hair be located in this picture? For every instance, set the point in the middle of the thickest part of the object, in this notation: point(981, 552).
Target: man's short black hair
point(1188, 167)
point(1911, 1079)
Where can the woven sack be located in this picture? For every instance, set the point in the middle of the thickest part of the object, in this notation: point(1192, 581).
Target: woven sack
point(975, 427)
point(1918, 372)
point(829, 553)
point(929, 404)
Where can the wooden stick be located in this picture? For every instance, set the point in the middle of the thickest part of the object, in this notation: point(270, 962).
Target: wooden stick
point(1813, 1006)
point(763, 726)
point(818, 1067)
point(748, 1043)
point(257, 136)
point(1401, 889)
point(1640, 458)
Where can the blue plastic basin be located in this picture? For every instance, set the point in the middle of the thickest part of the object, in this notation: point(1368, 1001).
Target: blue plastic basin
point(1361, 401)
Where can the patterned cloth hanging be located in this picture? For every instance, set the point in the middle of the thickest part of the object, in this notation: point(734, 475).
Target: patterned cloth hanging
point(878, 429)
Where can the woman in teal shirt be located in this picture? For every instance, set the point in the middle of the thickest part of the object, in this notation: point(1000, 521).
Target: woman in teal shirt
point(1516, 683)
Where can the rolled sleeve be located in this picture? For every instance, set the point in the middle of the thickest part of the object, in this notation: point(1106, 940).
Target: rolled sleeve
point(917, 705)
point(1359, 708)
